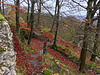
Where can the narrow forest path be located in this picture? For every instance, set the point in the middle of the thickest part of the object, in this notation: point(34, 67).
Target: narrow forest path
point(38, 44)
point(32, 61)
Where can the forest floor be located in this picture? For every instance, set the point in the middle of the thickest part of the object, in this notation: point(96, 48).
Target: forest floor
point(31, 61)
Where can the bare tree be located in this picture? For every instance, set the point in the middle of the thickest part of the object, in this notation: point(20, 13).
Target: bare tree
point(92, 7)
point(57, 23)
point(3, 7)
point(39, 11)
point(96, 42)
point(54, 17)
point(28, 9)
point(31, 21)
point(90, 14)
point(17, 16)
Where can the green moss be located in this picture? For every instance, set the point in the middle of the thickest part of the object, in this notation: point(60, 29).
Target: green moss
point(6, 38)
point(42, 30)
point(26, 49)
point(22, 40)
point(72, 54)
point(35, 35)
point(56, 48)
point(2, 49)
point(47, 72)
point(57, 61)
point(12, 24)
point(6, 18)
point(2, 17)
point(92, 65)
point(3, 66)
point(63, 50)
point(63, 65)
point(32, 52)
point(56, 74)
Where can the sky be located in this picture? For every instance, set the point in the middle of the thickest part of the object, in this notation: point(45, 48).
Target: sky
point(51, 3)
point(68, 8)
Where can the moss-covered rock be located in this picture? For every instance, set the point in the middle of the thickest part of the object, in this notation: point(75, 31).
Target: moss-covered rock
point(6, 39)
point(2, 49)
point(3, 66)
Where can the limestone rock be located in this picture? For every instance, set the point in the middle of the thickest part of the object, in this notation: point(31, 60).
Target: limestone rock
point(7, 54)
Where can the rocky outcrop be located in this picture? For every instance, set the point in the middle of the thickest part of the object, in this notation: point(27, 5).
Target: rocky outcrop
point(7, 54)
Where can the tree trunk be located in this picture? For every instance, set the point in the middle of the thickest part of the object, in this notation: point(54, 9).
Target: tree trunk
point(54, 18)
point(44, 47)
point(28, 13)
point(17, 17)
point(3, 8)
point(57, 21)
point(53, 24)
point(39, 12)
point(0, 6)
point(85, 40)
point(31, 22)
point(96, 42)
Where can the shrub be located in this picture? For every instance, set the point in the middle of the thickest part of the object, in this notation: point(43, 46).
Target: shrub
point(42, 30)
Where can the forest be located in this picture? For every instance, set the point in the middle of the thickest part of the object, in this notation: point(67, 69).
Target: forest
point(54, 37)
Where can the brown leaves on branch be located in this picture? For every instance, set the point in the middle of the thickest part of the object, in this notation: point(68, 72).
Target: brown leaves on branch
point(20, 10)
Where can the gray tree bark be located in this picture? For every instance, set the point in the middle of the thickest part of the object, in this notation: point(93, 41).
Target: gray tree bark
point(31, 21)
point(39, 12)
point(3, 8)
point(17, 17)
point(28, 24)
point(96, 42)
point(54, 18)
point(57, 24)
point(85, 40)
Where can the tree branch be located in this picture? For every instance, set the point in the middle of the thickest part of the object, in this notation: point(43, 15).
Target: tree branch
point(47, 10)
point(79, 4)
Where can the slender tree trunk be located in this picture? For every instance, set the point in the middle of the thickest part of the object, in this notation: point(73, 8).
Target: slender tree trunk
point(39, 12)
point(57, 21)
point(54, 18)
point(85, 40)
point(84, 49)
point(31, 22)
point(17, 17)
point(3, 8)
point(28, 13)
point(53, 25)
point(96, 42)
point(0, 6)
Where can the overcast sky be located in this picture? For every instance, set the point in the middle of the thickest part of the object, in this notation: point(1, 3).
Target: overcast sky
point(68, 8)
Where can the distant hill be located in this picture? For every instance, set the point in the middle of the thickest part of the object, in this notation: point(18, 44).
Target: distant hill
point(67, 30)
